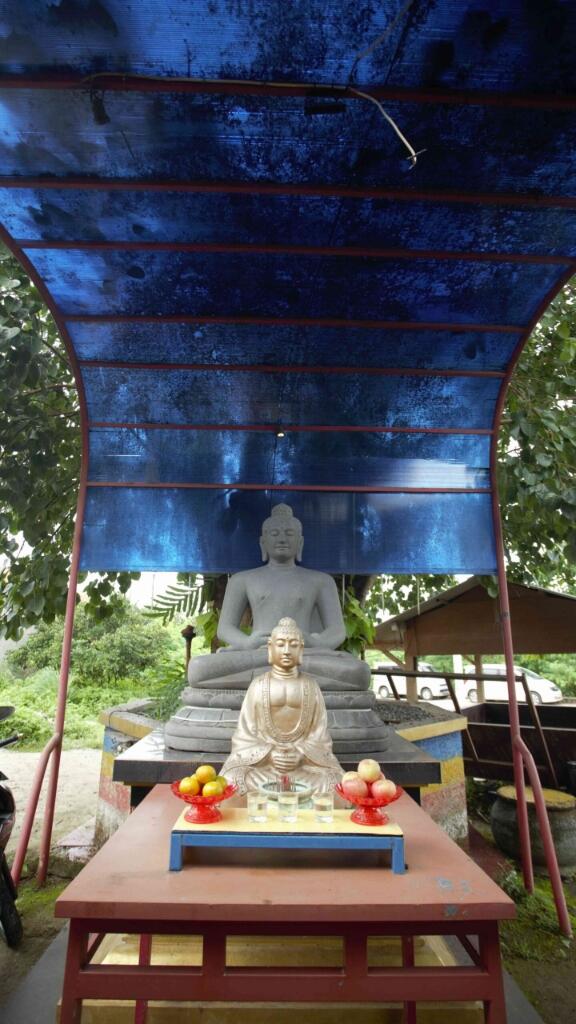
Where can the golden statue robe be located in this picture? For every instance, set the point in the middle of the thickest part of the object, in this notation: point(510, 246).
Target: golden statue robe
point(257, 736)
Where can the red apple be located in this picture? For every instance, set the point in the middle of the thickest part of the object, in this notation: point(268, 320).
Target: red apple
point(383, 789)
point(348, 777)
point(369, 770)
point(355, 789)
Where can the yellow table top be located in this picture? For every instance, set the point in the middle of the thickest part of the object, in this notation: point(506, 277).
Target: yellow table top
point(235, 819)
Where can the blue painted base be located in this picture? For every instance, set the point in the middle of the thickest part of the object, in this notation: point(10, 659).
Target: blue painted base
point(293, 841)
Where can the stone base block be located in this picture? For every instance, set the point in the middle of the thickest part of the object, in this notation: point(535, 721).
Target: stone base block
point(355, 726)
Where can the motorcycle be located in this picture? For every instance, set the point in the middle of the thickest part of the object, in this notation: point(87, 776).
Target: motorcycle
point(9, 916)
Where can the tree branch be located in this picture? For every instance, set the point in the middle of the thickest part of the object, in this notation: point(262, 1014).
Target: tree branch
point(50, 387)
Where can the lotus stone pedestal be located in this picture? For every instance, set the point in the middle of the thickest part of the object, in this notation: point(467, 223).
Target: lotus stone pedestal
point(206, 727)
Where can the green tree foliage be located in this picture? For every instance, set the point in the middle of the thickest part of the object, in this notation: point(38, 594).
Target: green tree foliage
point(125, 656)
point(195, 597)
point(39, 463)
point(537, 453)
point(123, 645)
point(359, 625)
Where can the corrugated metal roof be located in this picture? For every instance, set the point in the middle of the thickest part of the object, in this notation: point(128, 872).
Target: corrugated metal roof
point(233, 254)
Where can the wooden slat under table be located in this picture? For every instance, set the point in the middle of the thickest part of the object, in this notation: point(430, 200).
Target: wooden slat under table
point(127, 888)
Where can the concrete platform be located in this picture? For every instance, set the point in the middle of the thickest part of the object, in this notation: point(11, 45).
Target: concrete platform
point(149, 762)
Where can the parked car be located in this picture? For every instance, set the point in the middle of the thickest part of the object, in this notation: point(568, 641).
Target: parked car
point(543, 691)
point(428, 689)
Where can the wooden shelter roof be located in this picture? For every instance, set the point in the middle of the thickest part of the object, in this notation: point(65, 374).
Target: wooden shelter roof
point(465, 620)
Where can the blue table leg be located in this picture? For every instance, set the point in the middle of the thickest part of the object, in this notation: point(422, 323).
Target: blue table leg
point(398, 862)
point(175, 852)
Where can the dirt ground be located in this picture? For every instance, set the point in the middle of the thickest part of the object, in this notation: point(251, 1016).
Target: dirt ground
point(551, 988)
point(77, 790)
point(76, 804)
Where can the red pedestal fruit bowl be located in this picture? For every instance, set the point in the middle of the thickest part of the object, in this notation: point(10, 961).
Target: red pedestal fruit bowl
point(369, 810)
point(203, 809)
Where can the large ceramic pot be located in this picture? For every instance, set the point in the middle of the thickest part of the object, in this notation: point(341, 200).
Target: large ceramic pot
point(561, 809)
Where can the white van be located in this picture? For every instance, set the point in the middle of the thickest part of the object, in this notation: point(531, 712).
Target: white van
point(543, 691)
point(428, 689)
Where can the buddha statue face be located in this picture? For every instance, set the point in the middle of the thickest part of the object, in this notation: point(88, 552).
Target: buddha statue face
point(285, 646)
point(281, 541)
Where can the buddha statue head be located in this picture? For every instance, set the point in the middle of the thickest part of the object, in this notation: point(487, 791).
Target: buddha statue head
point(285, 646)
point(281, 541)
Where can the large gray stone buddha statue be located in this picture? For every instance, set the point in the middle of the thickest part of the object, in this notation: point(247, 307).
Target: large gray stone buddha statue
point(217, 683)
point(280, 588)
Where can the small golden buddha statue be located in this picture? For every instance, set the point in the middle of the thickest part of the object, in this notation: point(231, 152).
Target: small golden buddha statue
point(283, 726)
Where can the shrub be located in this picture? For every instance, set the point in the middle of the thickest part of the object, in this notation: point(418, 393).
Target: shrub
point(125, 656)
point(120, 646)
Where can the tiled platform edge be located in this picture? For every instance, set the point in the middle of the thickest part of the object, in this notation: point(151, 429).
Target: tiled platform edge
point(445, 801)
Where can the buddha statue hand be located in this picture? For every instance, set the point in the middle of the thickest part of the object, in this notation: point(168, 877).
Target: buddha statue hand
point(257, 640)
point(285, 759)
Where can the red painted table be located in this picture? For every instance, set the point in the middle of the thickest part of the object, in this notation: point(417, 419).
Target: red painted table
point(127, 888)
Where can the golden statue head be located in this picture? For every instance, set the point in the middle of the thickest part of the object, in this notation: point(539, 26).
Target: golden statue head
point(281, 539)
point(286, 645)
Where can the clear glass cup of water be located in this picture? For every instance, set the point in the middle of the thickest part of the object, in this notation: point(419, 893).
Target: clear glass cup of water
point(257, 804)
point(288, 806)
point(324, 808)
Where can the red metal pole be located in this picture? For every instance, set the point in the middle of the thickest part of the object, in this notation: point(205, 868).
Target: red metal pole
point(521, 807)
point(113, 81)
point(547, 840)
point(271, 188)
point(64, 672)
point(54, 747)
point(31, 807)
point(365, 371)
point(294, 428)
point(238, 486)
point(296, 321)
point(521, 756)
point(277, 249)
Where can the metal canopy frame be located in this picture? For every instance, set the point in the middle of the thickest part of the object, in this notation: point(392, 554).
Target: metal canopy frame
point(259, 297)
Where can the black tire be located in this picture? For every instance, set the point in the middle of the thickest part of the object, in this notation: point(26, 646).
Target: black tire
point(9, 916)
point(535, 697)
point(384, 692)
point(426, 693)
point(472, 696)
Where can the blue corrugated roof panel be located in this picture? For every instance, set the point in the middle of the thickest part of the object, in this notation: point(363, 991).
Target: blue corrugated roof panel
point(231, 258)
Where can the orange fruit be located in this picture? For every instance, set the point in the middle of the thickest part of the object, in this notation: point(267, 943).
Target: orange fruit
point(212, 788)
point(189, 786)
point(205, 773)
point(223, 782)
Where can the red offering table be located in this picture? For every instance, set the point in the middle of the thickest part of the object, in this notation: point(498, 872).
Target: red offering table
point(127, 888)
